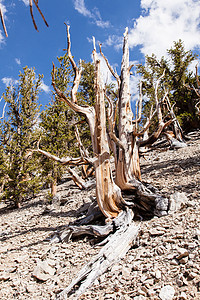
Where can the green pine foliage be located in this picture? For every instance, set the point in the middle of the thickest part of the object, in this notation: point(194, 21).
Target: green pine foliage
point(86, 96)
point(86, 88)
point(19, 131)
point(58, 138)
point(57, 130)
point(177, 77)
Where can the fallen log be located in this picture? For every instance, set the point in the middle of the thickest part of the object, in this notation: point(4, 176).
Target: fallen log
point(115, 249)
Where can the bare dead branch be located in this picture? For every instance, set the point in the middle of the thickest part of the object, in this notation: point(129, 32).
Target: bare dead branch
point(155, 135)
point(77, 71)
point(196, 91)
point(31, 12)
point(3, 23)
point(147, 124)
point(69, 161)
point(131, 66)
point(3, 112)
point(77, 179)
point(198, 110)
point(138, 108)
point(69, 49)
point(158, 108)
point(116, 248)
point(83, 151)
point(39, 10)
point(111, 124)
point(197, 77)
point(61, 95)
point(115, 75)
point(177, 127)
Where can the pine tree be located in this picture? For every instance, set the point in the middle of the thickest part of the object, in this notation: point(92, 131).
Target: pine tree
point(177, 77)
point(18, 133)
point(58, 136)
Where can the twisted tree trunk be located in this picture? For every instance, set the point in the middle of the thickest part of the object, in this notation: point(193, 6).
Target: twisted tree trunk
point(125, 147)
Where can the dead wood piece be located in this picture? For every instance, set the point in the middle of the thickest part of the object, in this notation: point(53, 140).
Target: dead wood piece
point(95, 230)
point(119, 243)
point(92, 214)
point(151, 201)
point(76, 231)
point(79, 181)
point(174, 143)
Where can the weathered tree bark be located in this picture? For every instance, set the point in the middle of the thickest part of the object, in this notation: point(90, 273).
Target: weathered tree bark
point(108, 194)
point(128, 166)
point(125, 146)
point(129, 138)
point(116, 248)
point(54, 187)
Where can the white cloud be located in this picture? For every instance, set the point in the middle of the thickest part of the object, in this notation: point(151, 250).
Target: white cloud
point(9, 81)
point(45, 87)
point(2, 6)
point(102, 24)
point(18, 61)
point(134, 83)
point(26, 2)
point(163, 22)
point(107, 77)
point(81, 8)
point(93, 15)
point(1, 38)
point(115, 41)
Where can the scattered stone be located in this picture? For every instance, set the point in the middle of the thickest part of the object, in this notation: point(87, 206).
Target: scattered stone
point(21, 258)
point(155, 260)
point(198, 234)
point(4, 276)
point(183, 260)
point(183, 296)
point(3, 249)
point(174, 262)
point(177, 201)
point(192, 275)
point(157, 231)
point(157, 274)
point(182, 253)
point(43, 271)
point(151, 293)
point(167, 292)
point(30, 288)
point(140, 297)
point(126, 272)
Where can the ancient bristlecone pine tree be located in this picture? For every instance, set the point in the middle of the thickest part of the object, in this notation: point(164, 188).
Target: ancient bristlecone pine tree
point(120, 134)
point(125, 144)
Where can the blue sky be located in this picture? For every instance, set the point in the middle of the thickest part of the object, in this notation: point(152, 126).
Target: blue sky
point(153, 26)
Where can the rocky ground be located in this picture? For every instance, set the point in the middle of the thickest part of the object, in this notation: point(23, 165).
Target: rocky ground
point(165, 263)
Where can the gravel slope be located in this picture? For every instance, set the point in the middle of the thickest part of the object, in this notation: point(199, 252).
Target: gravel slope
point(165, 262)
